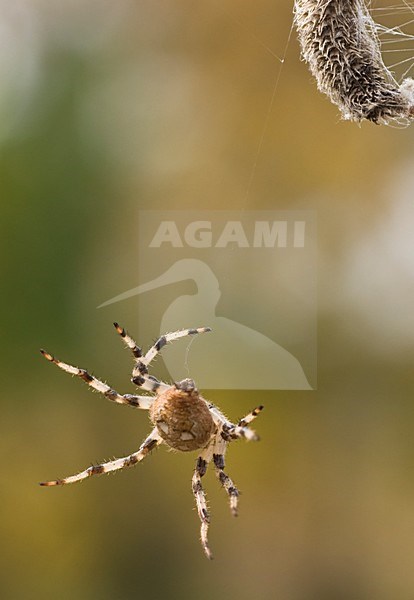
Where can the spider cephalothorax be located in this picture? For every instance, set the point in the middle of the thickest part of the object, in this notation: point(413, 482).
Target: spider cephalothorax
point(182, 419)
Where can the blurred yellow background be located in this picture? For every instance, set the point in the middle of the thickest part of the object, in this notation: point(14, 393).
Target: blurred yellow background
point(111, 107)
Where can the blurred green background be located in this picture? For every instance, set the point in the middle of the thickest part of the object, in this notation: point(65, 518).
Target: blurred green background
point(107, 108)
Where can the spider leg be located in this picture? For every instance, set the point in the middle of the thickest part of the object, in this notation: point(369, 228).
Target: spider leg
point(241, 430)
point(199, 494)
point(149, 444)
point(170, 337)
point(148, 382)
point(143, 402)
point(219, 418)
point(132, 345)
point(230, 431)
point(219, 450)
point(140, 371)
point(251, 416)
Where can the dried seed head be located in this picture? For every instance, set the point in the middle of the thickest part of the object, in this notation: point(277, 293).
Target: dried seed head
point(182, 417)
point(340, 44)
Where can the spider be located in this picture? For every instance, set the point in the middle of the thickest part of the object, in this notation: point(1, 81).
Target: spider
point(182, 419)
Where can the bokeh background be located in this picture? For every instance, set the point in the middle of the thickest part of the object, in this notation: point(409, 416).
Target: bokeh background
point(111, 107)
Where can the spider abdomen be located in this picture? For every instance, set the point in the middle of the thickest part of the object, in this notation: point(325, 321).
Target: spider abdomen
point(182, 417)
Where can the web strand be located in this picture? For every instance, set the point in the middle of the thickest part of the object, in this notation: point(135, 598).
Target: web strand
point(267, 117)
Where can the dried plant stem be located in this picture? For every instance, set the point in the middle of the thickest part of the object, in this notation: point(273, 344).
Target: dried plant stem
point(339, 42)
